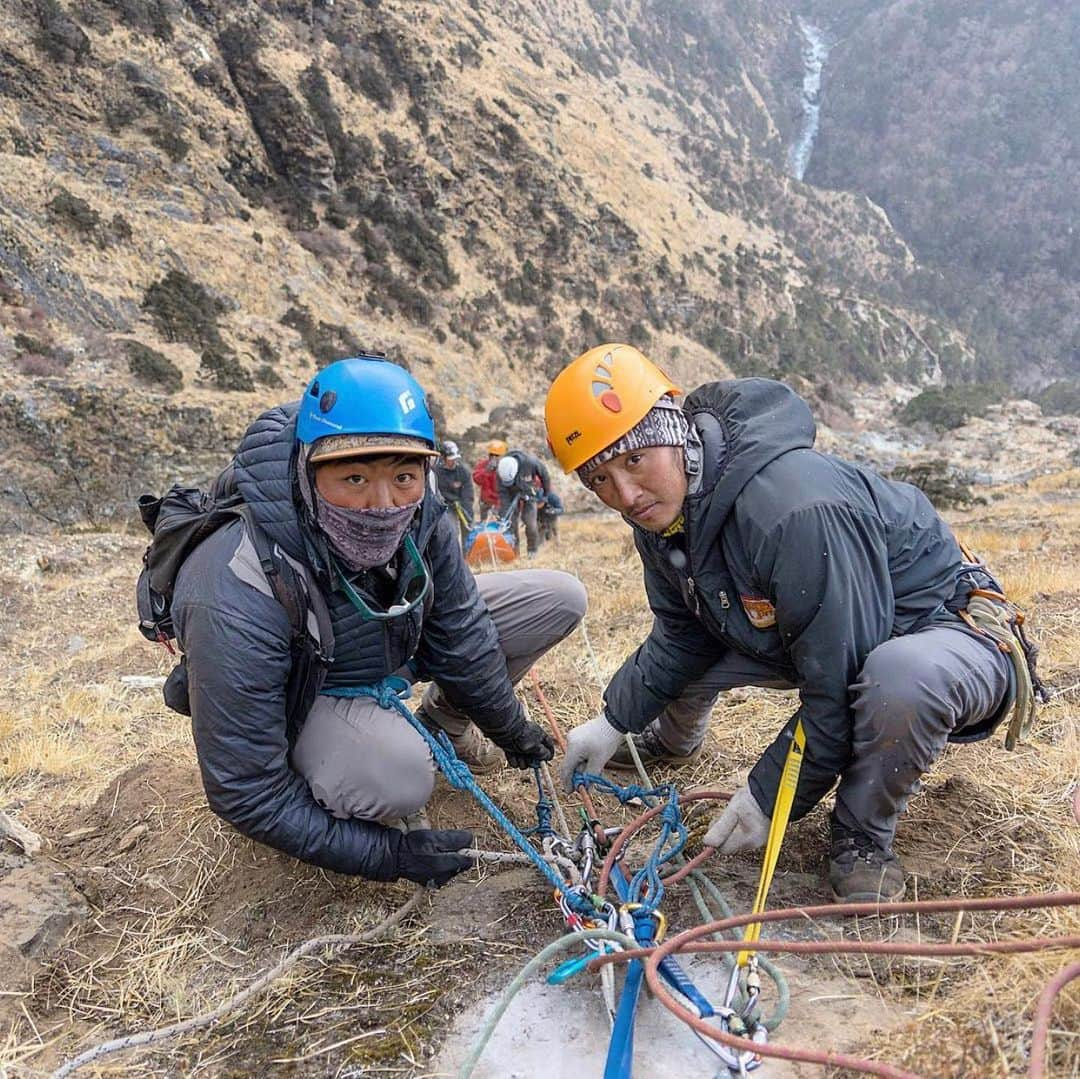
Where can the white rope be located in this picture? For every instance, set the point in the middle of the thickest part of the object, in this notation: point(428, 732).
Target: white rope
point(597, 673)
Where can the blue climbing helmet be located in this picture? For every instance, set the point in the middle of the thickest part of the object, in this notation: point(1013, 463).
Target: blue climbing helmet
point(365, 405)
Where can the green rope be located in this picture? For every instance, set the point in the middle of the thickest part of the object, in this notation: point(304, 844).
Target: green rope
point(523, 976)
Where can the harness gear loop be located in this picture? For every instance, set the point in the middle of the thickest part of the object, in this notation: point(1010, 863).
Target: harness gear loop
point(992, 615)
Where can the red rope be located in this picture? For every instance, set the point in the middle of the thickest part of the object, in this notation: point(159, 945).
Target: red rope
point(690, 941)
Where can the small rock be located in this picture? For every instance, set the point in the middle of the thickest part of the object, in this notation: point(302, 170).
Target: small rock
point(131, 837)
point(142, 681)
point(75, 645)
point(69, 839)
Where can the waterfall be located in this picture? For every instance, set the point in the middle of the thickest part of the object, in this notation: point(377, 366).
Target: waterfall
point(814, 53)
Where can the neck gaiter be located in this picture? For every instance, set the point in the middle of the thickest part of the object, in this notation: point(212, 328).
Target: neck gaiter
point(361, 539)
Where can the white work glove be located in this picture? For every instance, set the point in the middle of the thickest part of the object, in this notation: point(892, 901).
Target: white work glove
point(588, 748)
point(742, 825)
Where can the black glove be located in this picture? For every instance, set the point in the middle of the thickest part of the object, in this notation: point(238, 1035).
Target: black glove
point(529, 747)
point(429, 856)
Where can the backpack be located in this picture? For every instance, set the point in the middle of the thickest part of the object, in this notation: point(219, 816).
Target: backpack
point(179, 521)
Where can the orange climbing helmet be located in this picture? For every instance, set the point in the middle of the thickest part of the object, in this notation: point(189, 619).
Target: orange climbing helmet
point(496, 446)
point(597, 398)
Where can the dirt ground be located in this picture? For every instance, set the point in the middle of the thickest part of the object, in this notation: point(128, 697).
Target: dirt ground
point(143, 907)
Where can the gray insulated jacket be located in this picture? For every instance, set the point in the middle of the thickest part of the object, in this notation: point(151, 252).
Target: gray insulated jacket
point(793, 557)
point(235, 635)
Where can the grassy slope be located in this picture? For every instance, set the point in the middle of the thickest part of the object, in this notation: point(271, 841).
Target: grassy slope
point(185, 910)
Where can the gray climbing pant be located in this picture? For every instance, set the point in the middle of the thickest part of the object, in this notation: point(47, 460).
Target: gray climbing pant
point(364, 761)
point(525, 512)
point(912, 693)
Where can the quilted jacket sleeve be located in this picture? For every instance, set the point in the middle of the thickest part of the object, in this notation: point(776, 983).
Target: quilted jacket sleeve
point(676, 651)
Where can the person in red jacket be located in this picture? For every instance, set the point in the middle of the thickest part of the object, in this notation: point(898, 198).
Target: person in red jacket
point(485, 478)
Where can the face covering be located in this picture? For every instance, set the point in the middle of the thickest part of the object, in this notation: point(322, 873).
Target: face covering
point(361, 539)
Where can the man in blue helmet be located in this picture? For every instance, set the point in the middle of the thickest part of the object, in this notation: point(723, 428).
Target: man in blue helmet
point(338, 485)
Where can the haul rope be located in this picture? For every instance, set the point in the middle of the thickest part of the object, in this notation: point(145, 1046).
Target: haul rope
point(392, 692)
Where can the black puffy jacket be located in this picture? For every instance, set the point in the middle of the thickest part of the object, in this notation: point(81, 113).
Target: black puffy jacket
point(793, 557)
point(236, 638)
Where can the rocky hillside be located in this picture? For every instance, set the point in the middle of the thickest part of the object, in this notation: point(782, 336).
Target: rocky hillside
point(204, 199)
point(961, 120)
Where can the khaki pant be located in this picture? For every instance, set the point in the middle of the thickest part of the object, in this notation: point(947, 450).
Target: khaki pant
point(912, 693)
point(364, 761)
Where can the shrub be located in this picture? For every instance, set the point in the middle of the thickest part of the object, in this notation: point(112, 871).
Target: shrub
point(153, 367)
point(267, 376)
point(25, 343)
point(325, 341)
point(39, 359)
point(639, 336)
point(120, 229)
point(167, 135)
point(372, 83)
point(228, 372)
point(73, 211)
point(39, 365)
point(146, 16)
point(58, 35)
point(183, 310)
point(940, 482)
point(947, 407)
point(1060, 398)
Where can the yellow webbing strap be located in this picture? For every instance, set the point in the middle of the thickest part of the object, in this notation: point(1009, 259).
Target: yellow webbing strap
point(785, 796)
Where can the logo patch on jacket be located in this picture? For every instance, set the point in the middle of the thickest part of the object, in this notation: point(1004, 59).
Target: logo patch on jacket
point(761, 612)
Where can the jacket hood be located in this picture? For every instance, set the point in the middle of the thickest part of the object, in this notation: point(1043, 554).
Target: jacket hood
point(744, 424)
point(263, 469)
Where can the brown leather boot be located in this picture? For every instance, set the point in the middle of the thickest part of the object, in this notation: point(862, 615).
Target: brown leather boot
point(476, 750)
point(652, 751)
point(861, 872)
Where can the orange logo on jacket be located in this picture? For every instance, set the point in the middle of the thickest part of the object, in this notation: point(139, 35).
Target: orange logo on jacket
point(761, 612)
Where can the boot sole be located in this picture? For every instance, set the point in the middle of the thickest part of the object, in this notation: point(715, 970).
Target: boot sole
point(869, 897)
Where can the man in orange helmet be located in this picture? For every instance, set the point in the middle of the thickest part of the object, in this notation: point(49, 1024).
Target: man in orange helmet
point(769, 564)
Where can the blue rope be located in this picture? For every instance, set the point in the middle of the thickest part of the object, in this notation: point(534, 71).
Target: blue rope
point(646, 887)
point(648, 796)
point(544, 809)
point(392, 693)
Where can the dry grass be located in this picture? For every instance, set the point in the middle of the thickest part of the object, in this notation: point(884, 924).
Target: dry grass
point(191, 911)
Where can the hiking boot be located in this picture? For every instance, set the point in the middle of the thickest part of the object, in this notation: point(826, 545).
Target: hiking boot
point(861, 872)
point(652, 751)
point(477, 751)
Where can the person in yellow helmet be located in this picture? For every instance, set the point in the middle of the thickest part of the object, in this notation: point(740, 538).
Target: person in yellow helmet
point(769, 564)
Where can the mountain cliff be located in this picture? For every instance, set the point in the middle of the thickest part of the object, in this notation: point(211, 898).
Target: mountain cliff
point(202, 200)
point(961, 121)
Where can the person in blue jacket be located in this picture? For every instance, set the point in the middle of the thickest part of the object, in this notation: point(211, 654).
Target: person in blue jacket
point(770, 564)
point(337, 482)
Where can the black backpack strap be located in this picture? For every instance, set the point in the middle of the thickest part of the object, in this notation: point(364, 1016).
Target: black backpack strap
point(310, 659)
point(283, 579)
